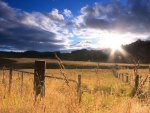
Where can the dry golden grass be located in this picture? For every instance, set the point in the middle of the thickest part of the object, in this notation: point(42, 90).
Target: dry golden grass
point(78, 63)
point(102, 93)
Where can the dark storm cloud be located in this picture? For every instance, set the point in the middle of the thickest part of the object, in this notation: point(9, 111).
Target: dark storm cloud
point(22, 37)
point(15, 35)
point(97, 23)
point(131, 17)
point(140, 10)
point(5, 11)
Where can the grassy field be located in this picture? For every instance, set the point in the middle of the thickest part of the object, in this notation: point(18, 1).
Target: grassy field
point(101, 93)
point(28, 63)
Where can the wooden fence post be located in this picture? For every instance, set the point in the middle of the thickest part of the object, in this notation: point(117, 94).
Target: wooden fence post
point(21, 82)
point(10, 79)
point(127, 78)
point(149, 86)
point(39, 78)
point(117, 75)
point(136, 84)
point(137, 81)
point(3, 79)
point(130, 79)
point(122, 77)
point(79, 92)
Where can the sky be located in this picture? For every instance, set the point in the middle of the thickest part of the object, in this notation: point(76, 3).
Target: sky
point(66, 25)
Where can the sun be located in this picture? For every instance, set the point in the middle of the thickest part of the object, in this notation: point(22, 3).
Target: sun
point(113, 41)
point(114, 45)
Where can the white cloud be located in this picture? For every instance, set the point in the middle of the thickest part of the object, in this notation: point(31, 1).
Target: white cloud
point(87, 33)
point(67, 13)
point(82, 45)
point(55, 15)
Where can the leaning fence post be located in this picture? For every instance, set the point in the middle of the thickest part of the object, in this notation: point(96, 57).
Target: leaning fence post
point(136, 84)
point(79, 93)
point(137, 81)
point(39, 78)
point(10, 80)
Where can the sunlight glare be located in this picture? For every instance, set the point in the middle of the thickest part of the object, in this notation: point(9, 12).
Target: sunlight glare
point(113, 41)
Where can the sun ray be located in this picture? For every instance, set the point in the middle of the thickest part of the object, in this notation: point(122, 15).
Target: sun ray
point(114, 41)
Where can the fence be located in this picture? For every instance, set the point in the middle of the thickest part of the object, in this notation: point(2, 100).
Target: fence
point(39, 79)
point(135, 80)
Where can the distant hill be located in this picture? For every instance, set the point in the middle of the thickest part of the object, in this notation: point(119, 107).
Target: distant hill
point(29, 54)
point(139, 50)
point(85, 55)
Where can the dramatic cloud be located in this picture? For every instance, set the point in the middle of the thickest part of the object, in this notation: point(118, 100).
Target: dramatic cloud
point(21, 30)
point(103, 22)
point(56, 30)
point(133, 17)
